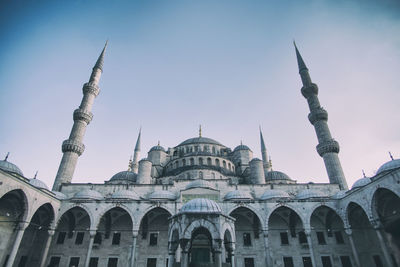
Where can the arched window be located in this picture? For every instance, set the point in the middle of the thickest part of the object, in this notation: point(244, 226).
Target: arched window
point(217, 162)
point(229, 166)
point(184, 162)
point(206, 149)
point(200, 161)
point(192, 161)
point(175, 153)
point(213, 150)
point(224, 164)
point(200, 175)
point(209, 161)
point(176, 164)
point(196, 149)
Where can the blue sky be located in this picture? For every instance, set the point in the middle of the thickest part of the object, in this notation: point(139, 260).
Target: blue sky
point(172, 65)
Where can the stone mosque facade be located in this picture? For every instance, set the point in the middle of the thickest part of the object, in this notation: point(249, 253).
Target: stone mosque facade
point(198, 204)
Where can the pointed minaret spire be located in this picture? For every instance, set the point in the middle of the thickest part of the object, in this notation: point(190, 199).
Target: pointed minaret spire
point(264, 154)
point(135, 164)
point(8, 154)
point(390, 155)
point(34, 177)
point(73, 147)
point(327, 147)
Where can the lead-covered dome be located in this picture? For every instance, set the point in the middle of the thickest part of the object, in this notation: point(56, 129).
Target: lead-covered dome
point(162, 195)
point(201, 205)
point(88, 194)
point(157, 148)
point(199, 183)
point(200, 140)
point(310, 193)
point(361, 182)
point(37, 183)
point(241, 147)
point(10, 167)
point(124, 176)
point(125, 194)
point(238, 195)
point(276, 175)
point(274, 194)
point(390, 165)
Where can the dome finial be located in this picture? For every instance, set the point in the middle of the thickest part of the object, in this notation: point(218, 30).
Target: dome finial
point(158, 143)
point(390, 155)
point(130, 164)
point(8, 154)
point(34, 177)
point(364, 173)
point(200, 130)
point(270, 162)
point(241, 142)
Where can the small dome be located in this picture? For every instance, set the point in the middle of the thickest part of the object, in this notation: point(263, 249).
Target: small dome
point(124, 176)
point(10, 167)
point(310, 193)
point(199, 183)
point(339, 194)
point(162, 194)
point(276, 175)
point(241, 147)
point(274, 193)
point(361, 182)
point(238, 195)
point(125, 194)
point(201, 205)
point(157, 148)
point(37, 183)
point(88, 194)
point(199, 140)
point(390, 165)
point(59, 195)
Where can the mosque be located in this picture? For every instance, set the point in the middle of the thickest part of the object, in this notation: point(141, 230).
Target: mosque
point(198, 204)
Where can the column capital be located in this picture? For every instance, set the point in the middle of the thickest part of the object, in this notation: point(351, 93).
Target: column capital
point(135, 233)
point(348, 231)
point(51, 232)
point(307, 231)
point(92, 233)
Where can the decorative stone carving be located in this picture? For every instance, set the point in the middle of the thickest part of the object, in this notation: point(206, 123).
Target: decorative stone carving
point(307, 91)
point(83, 115)
point(317, 115)
point(330, 146)
point(91, 88)
point(73, 146)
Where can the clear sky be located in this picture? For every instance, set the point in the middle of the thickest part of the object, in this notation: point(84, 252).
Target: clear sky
point(172, 65)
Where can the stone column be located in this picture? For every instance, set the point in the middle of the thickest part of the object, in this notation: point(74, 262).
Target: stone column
point(266, 245)
point(349, 233)
point(17, 242)
point(385, 251)
point(310, 245)
point(184, 254)
point(89, 253)
point(133, 251)
point(171, 258)
point(217, 247)
point(46, 248)
point(232, 259)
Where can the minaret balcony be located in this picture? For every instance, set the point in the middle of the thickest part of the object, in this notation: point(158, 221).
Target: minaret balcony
point(73, 146)
point(91, 88)
point(310, 90)
point(331, 146)
point(318, 115)
point(83, 115)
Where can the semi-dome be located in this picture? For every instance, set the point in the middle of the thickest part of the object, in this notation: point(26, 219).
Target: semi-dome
point(162, 195)
point(276, 175)
point(10, 167)
point(157, 148)
point(37, 183)
point(361, 182)
point(274, 193)
point(200, 140)
point(125, 194)
point(310, 193)
point(124, 176)
point(88, 194)
point(201, 205)
point(59, 195)
point(390, 165)
point(241, 147)
point(199, 183)
point(238, 195)
point(339, 194)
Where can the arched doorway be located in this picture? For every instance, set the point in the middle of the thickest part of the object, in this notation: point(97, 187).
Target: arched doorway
point(113, 239)
point(13, 206)
point(331, 244)
point(71, 239)
point(248, 232)
point(152, 241)
point(200, 250)
point(386, 206)
point(287, 240)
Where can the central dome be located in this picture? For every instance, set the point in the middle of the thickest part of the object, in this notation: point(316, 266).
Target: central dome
point(201, 205)
point(200, 140)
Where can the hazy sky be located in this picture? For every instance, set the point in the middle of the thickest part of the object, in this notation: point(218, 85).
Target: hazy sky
point(172, 65)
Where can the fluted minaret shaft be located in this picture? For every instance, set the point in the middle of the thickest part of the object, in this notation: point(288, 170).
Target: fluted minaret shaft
point(327, 147)
point(73, 147)
point(135, 165)
point(264, 154)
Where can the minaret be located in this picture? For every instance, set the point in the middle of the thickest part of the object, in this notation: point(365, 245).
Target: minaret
point(73, 147)
point(135, 165)
point(327, 147)
point(267, 166)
